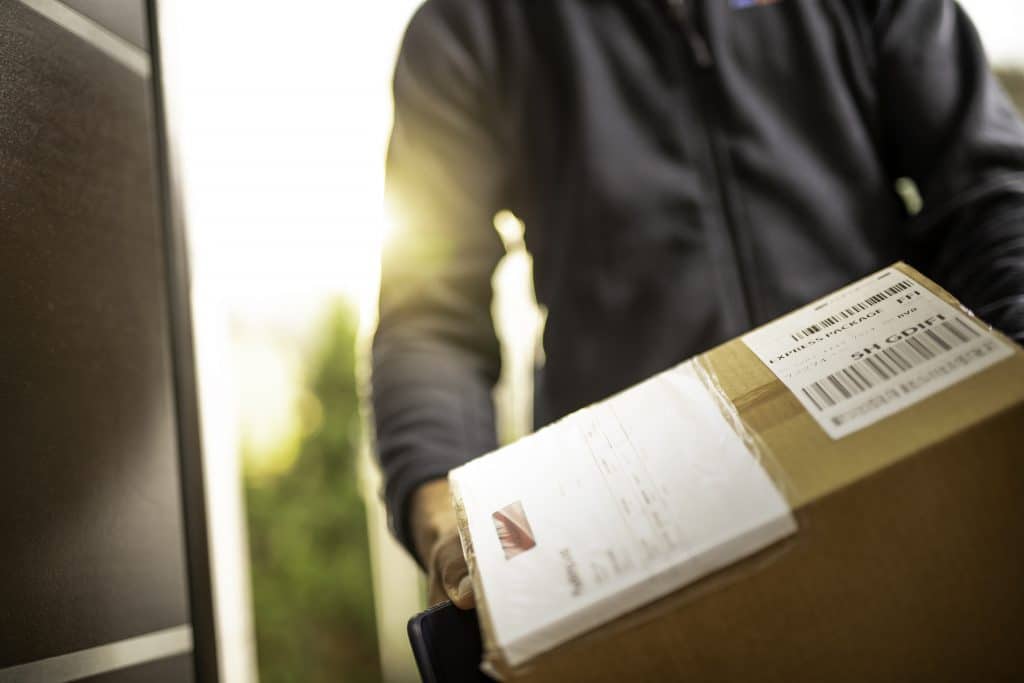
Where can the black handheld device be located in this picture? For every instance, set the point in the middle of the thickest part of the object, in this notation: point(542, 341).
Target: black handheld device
point(446, 644)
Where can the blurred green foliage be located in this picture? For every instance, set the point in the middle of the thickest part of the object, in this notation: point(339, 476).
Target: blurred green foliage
point(312, 594)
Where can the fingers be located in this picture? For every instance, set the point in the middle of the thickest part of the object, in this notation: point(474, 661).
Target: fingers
point(432, 516)
point(435, 589)
point(449, 575)
point(436, 538)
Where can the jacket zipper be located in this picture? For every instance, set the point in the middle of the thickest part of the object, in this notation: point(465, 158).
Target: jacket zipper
point(681, 12)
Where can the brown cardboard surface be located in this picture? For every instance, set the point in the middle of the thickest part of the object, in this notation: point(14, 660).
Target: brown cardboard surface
point(907, 565)
point(808, 464)
point(913, 573)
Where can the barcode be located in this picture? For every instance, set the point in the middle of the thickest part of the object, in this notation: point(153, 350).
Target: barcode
point(888, 363)
point(901, 286)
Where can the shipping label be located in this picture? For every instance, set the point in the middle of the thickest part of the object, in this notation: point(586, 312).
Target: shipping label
point(873, 349)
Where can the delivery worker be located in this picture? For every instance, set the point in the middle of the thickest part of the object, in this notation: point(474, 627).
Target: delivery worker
point(685, 170)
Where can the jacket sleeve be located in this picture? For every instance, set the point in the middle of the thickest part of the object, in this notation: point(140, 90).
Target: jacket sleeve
point(435, 357)
point(948, 125)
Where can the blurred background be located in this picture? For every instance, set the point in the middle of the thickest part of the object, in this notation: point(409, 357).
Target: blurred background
point(283, 113)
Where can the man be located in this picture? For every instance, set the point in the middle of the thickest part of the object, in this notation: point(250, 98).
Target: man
point(685, 171)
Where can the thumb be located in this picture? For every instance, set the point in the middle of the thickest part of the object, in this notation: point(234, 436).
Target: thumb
point(462, 596)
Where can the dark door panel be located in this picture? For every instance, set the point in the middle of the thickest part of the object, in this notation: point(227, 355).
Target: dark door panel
point(91, 528)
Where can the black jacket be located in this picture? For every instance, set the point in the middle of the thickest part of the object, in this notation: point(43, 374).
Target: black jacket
point(685, 171)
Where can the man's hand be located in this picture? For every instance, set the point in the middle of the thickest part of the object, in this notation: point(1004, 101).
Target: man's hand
point(436, 536)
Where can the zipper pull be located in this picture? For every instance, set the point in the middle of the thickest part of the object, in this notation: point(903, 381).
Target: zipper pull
point(680, 11)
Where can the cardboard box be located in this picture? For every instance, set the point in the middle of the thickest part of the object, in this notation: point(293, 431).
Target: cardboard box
point(906, 488)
